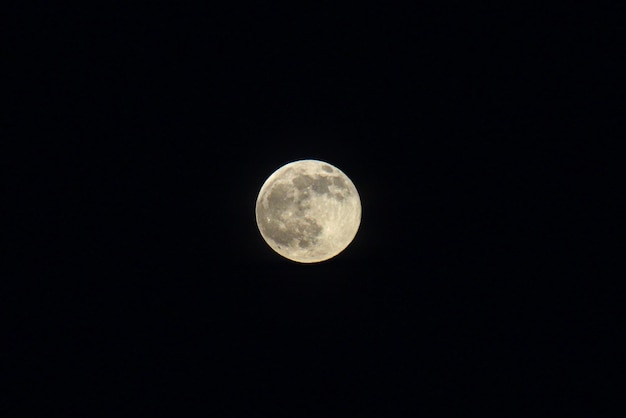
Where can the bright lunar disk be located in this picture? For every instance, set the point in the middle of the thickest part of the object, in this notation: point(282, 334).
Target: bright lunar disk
point(308, 211)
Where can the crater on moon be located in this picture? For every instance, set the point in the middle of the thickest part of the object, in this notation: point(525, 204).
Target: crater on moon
point(308, 211)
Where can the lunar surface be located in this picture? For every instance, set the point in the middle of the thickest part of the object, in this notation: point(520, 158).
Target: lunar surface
point(308, 211)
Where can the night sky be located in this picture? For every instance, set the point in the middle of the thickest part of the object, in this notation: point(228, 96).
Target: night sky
point(140, 285)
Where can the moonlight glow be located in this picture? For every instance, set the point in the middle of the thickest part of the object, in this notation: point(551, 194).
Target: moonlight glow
point(308, 211)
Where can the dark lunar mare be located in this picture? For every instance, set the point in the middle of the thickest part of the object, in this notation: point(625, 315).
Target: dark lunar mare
point(281, 199)
point(320, 185)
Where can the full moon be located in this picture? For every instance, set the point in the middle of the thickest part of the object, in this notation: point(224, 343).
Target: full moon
point(308, 211)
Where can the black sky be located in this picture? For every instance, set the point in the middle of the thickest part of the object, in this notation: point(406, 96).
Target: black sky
point(142, 286)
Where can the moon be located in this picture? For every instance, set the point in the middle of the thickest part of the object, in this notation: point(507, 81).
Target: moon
point(308, 211)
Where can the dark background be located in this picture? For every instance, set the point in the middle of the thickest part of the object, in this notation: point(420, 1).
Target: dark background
point(139, 283)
